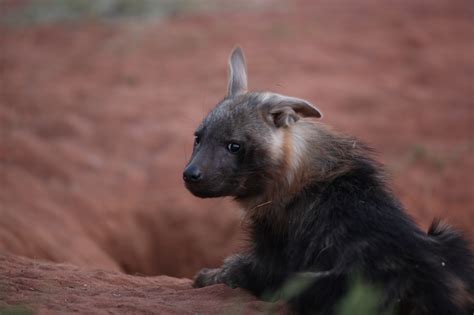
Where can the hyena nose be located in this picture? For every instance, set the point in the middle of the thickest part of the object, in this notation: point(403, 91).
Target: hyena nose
point(192, 174)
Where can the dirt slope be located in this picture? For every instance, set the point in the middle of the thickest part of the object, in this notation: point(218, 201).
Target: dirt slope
point(29, 285)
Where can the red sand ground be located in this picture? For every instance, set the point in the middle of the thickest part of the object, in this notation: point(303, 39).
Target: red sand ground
point(96, 123)
point(63, 289)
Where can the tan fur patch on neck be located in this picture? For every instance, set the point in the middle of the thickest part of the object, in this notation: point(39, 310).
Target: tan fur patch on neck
point(285, 152)
point(295, 159)
point(287, 158)
point(288, 149)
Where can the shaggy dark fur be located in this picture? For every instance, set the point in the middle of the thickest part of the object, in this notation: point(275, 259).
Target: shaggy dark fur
point(329, 216)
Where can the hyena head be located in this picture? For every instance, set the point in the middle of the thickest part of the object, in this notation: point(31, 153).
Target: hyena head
point(246, 142)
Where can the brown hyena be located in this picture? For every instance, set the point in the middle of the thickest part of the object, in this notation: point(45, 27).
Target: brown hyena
point(317, 205)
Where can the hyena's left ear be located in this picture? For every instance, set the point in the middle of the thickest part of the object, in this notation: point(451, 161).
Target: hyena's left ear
point(238, 73)
point(284, 111)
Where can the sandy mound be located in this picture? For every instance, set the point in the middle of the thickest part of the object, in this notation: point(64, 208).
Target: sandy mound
point(27, 284)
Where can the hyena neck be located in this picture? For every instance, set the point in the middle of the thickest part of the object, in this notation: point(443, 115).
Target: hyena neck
point(309, 154)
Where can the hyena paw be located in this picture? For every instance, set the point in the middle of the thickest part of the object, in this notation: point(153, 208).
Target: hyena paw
point(206, 277)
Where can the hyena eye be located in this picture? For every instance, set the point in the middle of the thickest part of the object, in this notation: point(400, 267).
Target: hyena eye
point(197, 140)
point(233, 147)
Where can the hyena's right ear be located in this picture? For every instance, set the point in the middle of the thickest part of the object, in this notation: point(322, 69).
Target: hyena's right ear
point(238, 73)
point(283, 111)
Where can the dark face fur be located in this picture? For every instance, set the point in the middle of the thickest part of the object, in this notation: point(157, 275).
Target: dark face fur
point(229, 156)
point(237, 146)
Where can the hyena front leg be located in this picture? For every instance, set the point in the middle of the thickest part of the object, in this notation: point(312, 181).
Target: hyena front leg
point(234, 273)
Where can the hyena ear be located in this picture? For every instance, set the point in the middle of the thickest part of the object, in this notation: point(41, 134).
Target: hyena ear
point(238, 73)
point(284, 111)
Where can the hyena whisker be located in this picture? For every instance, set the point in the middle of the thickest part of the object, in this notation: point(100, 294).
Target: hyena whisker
point(261, 205)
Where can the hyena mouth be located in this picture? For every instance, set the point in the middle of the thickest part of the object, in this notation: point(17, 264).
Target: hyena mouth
point(205, 190)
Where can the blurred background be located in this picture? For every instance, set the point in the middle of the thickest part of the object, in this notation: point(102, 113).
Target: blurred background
point(99, 101)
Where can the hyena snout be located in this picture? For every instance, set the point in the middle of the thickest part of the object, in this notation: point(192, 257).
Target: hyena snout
point(208, 175)
point(192, 174)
